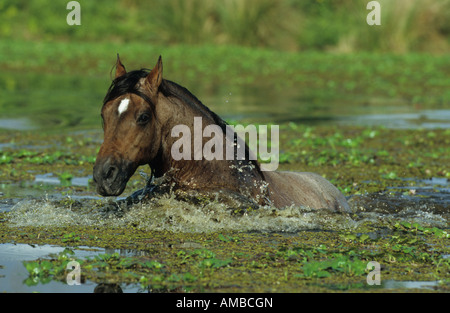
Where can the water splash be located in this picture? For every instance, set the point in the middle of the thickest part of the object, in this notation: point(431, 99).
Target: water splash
point(167, 213)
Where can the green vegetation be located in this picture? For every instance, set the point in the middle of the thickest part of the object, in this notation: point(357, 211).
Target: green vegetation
point(358, 160)
point(64, 158)
point(421, 25)
point(307, 261)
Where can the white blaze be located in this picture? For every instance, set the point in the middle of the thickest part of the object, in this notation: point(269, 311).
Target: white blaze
point(123, 106)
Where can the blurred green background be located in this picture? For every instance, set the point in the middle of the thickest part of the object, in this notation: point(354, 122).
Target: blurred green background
point(324, 25)
point(314, 59)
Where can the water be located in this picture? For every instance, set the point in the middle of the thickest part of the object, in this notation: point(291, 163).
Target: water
point(45, 102)
point(13, 193)
point(392, 284)
point(17, 124)
point(426, 201)
point(427, 119)
point(13, 273)
point(50, 179)
point(165, 213)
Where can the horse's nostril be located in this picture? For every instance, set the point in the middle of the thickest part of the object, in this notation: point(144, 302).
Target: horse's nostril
point(111, 172)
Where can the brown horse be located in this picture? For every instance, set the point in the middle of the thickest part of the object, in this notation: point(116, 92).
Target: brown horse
point(139, 112)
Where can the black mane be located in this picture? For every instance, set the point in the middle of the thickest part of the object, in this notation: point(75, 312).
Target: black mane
point(171, 89)
point(127, 83)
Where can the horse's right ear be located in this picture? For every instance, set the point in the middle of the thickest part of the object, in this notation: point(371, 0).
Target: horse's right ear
point(120, 68)
point(154, 78)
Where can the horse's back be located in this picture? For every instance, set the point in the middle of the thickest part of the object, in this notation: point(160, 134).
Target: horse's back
point(305, 189)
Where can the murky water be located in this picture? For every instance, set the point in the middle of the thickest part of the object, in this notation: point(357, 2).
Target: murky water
point(29, 102)
point(13, 274)
point(36, 203)
point(168, 214)
point(428, 203)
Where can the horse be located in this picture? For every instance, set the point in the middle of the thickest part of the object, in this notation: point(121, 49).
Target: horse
point(139, 112)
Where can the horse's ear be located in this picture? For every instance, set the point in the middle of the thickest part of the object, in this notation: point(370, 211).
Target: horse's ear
point(154, 78)
point(120, 68)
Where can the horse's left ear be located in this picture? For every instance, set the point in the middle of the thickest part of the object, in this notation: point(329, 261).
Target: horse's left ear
point(154, 78)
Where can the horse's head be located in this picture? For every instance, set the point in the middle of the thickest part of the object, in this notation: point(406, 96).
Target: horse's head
point(131, 137)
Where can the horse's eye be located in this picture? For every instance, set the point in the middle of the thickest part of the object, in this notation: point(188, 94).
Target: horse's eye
point(143, 118)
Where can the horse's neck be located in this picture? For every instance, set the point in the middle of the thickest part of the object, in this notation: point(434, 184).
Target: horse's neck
point(202, 173)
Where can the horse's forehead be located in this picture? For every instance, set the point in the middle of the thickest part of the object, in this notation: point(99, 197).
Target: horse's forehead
point(123, 105)
point(119, 105)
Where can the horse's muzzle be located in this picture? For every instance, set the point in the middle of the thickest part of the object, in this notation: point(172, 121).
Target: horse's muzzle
point(111, 176)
